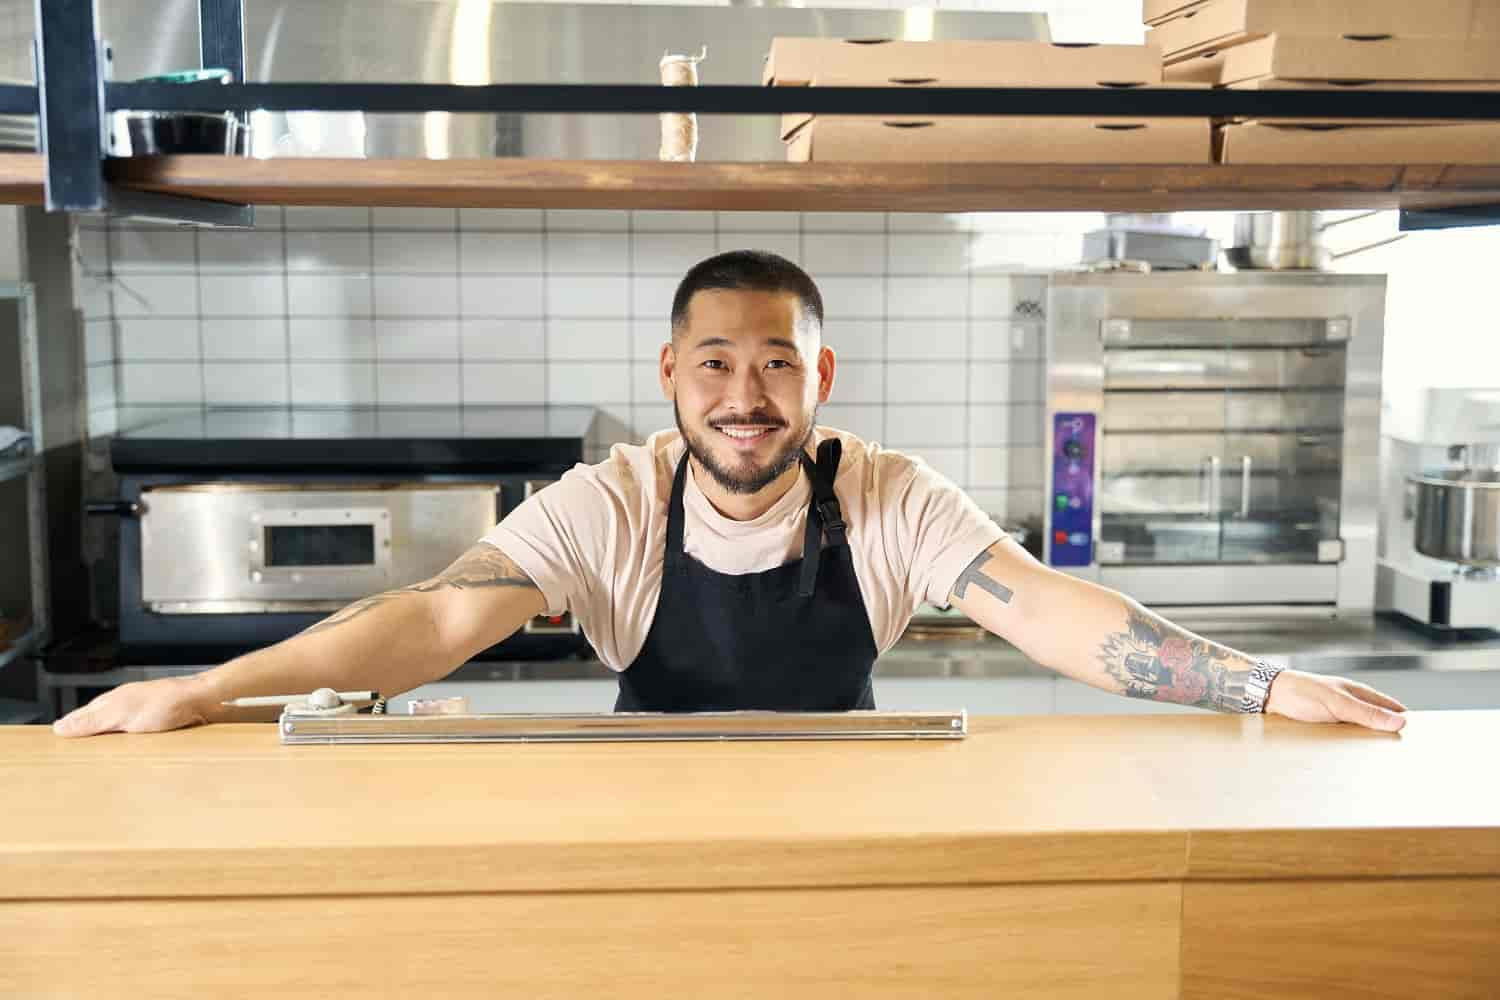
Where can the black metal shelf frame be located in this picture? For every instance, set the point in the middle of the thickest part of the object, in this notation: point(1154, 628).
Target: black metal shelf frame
point(73, 96)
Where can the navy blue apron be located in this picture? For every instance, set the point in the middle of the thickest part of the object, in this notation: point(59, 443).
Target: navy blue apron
point(794, 638)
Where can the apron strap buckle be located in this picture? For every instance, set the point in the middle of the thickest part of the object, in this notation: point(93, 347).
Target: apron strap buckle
point(832, 516)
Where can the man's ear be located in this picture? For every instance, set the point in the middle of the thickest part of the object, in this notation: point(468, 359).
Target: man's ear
point(826, 365)
point(666, 368)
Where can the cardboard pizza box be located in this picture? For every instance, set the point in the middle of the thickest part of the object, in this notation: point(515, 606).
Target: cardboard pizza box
point(802, 62)
point(1220, 24)
point(1344, 60)
point(1265, 142)
point(1000, 140)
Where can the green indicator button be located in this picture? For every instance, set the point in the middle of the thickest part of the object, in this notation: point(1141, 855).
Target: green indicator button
point(1062, 501)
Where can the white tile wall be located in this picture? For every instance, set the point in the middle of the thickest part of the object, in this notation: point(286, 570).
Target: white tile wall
point(503, 339)
point(262, 339)
point(242, 294)
point(428, 339)
point(324, 338)
point(939, 349)
point(257, 384)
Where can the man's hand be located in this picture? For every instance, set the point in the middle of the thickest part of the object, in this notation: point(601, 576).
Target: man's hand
point(1314, 698)
point(141, 707)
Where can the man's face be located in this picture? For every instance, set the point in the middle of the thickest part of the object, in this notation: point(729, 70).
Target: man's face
point(746, 374)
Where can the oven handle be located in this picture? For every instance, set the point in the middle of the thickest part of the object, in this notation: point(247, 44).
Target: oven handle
point(114, 508)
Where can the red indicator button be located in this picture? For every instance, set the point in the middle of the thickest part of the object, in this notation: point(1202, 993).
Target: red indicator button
point(1061, 538)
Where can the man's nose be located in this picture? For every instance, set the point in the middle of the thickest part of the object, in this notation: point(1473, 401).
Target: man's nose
point(747, 389)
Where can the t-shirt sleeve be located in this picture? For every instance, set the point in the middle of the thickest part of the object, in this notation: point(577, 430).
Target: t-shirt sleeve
point(560, 536)
point(942, 530)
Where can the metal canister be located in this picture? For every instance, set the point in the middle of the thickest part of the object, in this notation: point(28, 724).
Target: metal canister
point(1458, 516)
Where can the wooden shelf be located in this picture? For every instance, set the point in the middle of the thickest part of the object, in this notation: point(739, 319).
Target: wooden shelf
point(21, 178)
point(524, 183)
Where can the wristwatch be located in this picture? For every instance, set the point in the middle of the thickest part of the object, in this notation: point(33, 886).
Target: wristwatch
point(1258, 687)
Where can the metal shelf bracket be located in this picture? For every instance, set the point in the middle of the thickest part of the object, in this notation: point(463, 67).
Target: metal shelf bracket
point(72, 65)
point(1413, 219)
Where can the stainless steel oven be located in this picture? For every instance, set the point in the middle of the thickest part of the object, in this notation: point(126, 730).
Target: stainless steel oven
point(239, 528)
point(257, 547)
point(1213, 439)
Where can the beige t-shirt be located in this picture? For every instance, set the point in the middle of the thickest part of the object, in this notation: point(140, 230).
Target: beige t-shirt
point(593, 542)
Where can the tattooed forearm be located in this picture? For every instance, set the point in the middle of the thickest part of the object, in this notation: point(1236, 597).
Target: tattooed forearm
point(354, 610)
point(974, 573)
point(482, 566)
point(1156, 660)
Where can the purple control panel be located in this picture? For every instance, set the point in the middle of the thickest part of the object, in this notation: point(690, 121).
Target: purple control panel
point(1072, 499)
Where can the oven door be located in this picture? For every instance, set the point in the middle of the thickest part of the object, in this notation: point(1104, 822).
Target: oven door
point(229, 548)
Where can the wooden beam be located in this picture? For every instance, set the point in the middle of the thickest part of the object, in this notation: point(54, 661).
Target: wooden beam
point(529, 183)
point(825, 187)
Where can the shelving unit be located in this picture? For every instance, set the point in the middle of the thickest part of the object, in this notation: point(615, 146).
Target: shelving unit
point(32, 470)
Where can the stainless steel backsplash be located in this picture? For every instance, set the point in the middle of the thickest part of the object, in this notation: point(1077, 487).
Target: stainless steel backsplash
point(476, 41)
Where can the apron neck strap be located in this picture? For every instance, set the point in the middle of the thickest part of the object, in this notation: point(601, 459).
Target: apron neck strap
point(673, 561)
point(823, 514)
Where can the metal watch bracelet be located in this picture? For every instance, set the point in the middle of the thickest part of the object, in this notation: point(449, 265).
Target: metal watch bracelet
point(1258, 687)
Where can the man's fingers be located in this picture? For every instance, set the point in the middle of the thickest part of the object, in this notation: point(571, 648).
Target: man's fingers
point(1366, 693)
point(90, 720)
point(1348, 708)
point(79, 722)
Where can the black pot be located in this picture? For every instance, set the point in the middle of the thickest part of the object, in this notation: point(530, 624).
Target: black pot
point(158, 133)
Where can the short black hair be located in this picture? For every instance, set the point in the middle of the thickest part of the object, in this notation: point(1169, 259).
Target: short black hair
point(754, 270)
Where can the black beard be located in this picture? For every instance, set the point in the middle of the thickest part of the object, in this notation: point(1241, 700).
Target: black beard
point(757, 479)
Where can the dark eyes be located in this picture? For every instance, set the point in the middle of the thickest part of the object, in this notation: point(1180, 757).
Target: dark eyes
point(718, 365)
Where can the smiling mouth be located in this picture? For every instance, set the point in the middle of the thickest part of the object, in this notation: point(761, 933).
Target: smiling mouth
point(746, 432)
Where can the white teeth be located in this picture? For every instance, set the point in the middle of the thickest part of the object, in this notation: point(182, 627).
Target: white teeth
point(738, 432)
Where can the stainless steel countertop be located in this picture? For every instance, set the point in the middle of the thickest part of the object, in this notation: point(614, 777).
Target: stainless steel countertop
point(1316, 648)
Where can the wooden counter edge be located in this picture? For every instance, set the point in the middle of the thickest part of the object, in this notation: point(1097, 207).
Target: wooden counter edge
point(1389, 852)
point(688, 865)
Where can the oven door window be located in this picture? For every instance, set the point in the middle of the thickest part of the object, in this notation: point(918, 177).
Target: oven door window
point(317, 552)
point(335, 545)
point(1222, 442)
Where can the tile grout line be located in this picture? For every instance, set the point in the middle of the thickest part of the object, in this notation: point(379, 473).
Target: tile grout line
point(198, 298)
point(968, 375)
point(374, 317)
point(885, 327)
point(286, 299)
point(458, 295)
point(546, 312)
point(635, 431)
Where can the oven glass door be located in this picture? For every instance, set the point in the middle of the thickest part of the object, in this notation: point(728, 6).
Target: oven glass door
point(1221, 442)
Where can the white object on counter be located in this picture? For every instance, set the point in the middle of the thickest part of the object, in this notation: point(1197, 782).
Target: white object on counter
point(458, 705)
point(321, 700)
point(679, 132)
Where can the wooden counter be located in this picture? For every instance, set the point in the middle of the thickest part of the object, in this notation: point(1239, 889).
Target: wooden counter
point(1129, 856)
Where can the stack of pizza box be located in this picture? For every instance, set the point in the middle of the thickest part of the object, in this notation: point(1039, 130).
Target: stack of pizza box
point(886, 63)
point(1441, 46)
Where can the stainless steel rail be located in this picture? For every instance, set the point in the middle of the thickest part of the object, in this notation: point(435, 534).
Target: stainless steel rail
point(307, 727)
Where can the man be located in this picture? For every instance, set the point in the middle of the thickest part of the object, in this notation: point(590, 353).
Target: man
point(749, 560)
